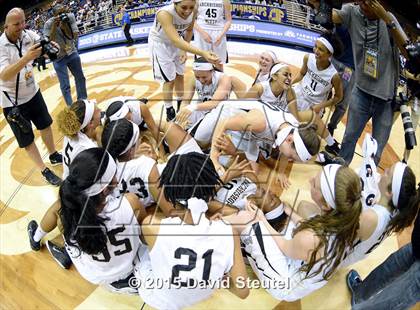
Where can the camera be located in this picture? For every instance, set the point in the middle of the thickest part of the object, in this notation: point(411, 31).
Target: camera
point(324, 15)
point(409, 132)
point(48, 49)
point(64, 18)
point(16, 117)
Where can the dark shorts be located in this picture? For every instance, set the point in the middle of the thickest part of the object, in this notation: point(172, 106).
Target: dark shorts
point(36, 111)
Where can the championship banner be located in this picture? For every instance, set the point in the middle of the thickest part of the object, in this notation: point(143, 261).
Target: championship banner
point(136, 15)
point(239, 10)
point(264, 12)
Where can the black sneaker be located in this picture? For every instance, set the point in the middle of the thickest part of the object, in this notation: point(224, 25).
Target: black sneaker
point(333, 149)
point(59, 254)
point(328, 159)
point(51, 177)
point(353, 280)
point(125, 286)
point(170, 114)
point(56, 158)
point(32, 226)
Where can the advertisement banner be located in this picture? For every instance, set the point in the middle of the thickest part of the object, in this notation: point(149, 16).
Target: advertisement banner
point(242, 29)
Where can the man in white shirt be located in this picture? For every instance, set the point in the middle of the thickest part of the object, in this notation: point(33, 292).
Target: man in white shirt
point(20, 96)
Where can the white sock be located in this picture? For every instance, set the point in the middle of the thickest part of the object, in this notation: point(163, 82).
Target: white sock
point(330, 140)
point(320, 157)
point(39, 234)
point(168, 104)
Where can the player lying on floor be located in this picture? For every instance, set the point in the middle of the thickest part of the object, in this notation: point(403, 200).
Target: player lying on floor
point(252, 123)
point(306, 255)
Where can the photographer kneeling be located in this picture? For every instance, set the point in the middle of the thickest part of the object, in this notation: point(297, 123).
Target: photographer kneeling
point(20, 96)
point(62, 29)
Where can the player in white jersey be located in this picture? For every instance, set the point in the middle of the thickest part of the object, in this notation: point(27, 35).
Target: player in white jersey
point(212, 87)
point(396, 210)
point(252, 123)
point(276, 90)
point(189, 254)
point(213, 22)
point(140, 175)
point(168, 41)
point(134, 110)
point(294, 265)
point(101, 232)
point(266, 60)
point(78, 124)
point(316, 79)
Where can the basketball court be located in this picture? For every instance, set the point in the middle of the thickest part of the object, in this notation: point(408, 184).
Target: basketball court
point(32, 280)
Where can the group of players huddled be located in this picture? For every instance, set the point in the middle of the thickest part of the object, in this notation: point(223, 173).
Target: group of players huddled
point(180, 205)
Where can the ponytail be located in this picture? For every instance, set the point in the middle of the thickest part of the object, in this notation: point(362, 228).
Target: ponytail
point(336, 230)
point(310, 138)
point(82, 226)
point(70, 119)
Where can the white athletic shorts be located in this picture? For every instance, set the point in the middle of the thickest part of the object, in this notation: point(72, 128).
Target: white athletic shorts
point(220, 50)
point(165, 61)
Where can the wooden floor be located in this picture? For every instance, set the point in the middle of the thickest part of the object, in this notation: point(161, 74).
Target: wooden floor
point(32, 280)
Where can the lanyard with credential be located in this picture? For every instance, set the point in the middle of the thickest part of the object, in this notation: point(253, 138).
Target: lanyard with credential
point(366, 39)
point(370, 65)
point(19, 48)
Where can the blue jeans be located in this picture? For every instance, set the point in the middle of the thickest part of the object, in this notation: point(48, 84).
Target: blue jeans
point(363, 107)
point(348, 84)
point(395, 284)
point(74, 64)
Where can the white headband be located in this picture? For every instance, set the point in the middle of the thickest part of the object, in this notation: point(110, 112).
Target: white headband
point(397, 179)
point(119, 114)
point(272, 55)
point(134, 138)
point(176, 1)
point(327, 44)
point(277, 67)
point(300, 147)
point(275, 213)
point(328, 183)
point(89, 110)
point(202, 66)
point(197, 207)
point(105, 179)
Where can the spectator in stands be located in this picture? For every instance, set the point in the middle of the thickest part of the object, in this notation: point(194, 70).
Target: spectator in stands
point(65, 32)
point(126, 25)
point(254, 15)
point(375, 35)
